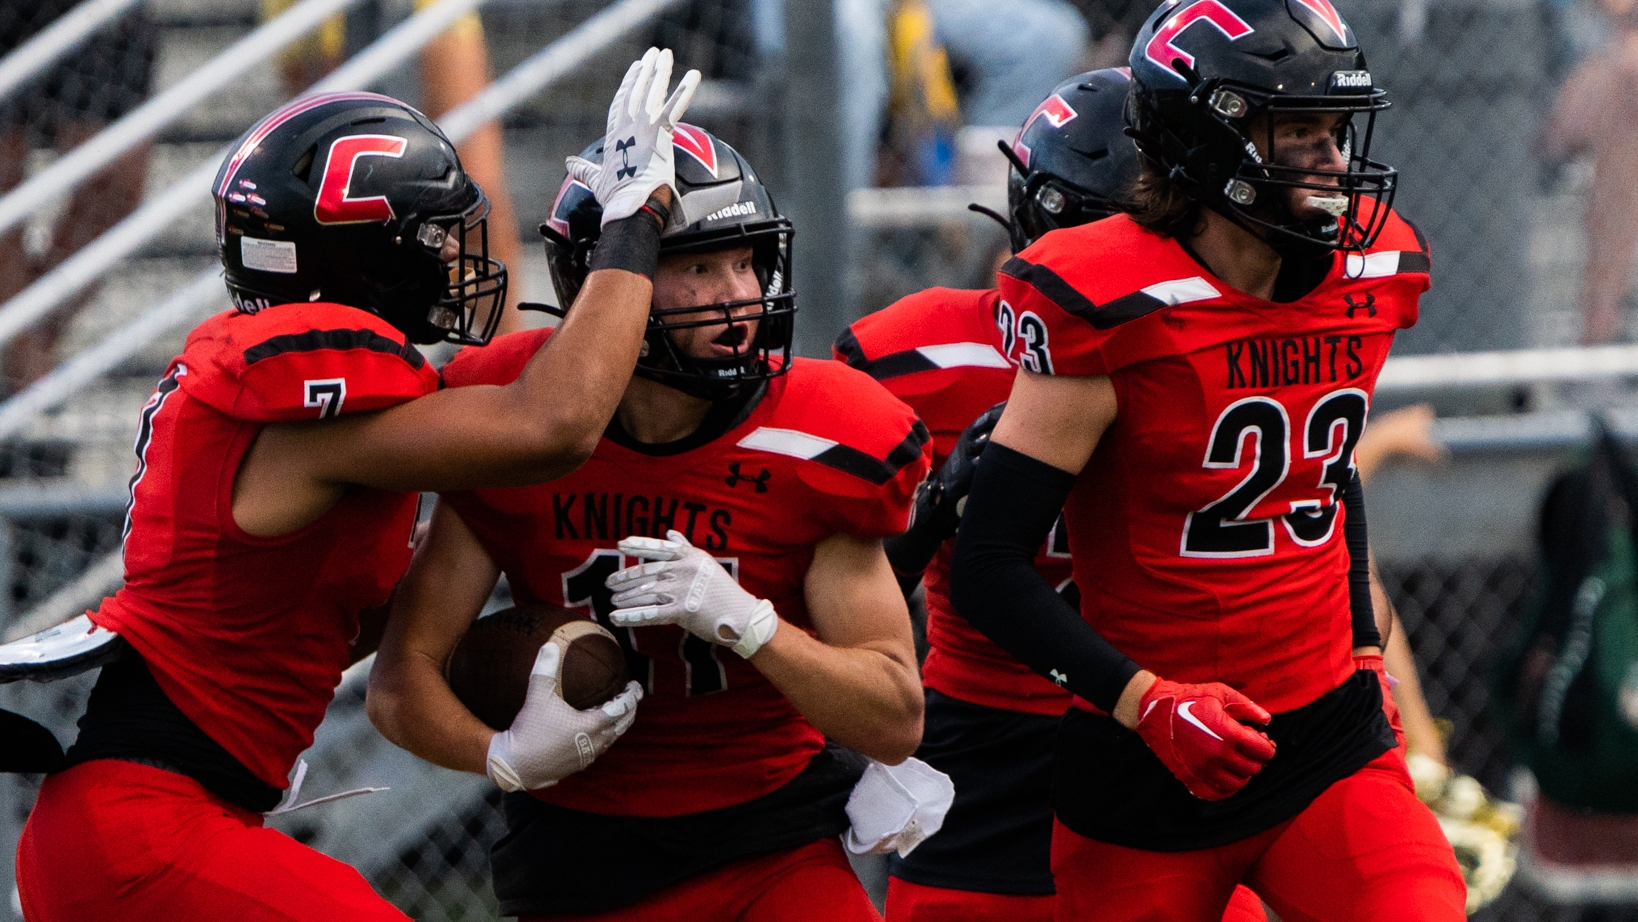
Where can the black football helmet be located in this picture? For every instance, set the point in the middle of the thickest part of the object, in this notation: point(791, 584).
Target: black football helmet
point(1205, 73)
point(1072, 162)
point(354, 198)
point(721, 204)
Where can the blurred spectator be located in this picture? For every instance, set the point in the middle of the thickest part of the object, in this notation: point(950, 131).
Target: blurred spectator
point(454, 68)
point(914, 72)
point(1596, 113)
point(1568, 689)
point(78, 96)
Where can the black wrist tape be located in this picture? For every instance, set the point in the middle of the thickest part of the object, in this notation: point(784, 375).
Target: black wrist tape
point(631, 244)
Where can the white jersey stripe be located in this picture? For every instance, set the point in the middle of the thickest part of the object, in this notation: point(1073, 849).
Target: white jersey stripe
point(1181, 291)
point(787, 442)
point(964, 355)
point(1373, 265)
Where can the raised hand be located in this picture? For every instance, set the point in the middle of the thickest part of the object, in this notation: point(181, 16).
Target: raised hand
point(637, 153)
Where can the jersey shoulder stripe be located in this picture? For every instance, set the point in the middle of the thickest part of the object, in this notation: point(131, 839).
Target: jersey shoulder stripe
point(314, 340)
point(808, 447)
point(931, 330)
point(302, 361)
point(1051, 286)
point(921, 358)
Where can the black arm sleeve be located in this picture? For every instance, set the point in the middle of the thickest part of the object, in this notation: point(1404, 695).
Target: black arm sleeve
point(910, 553)
point(994, 583)
point(1359, 566)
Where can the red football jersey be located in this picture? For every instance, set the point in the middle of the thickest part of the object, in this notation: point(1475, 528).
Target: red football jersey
point(1206, 529)
point(940, 352)
point(825, 451)
point(248, 635)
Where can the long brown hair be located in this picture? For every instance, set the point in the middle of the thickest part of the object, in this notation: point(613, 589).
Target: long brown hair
point(1160, 204)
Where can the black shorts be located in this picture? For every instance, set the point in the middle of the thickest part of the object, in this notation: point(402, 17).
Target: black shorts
point(997, 837)
point(1110, 787)
point(106, 77)
point(554, 860)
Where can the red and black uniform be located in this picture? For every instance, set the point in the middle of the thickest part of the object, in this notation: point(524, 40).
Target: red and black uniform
point(237, 641)
point(991, 721)
point(719, 766)
point(1206, 533)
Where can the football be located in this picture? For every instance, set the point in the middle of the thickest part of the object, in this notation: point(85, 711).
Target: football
point(489, 669)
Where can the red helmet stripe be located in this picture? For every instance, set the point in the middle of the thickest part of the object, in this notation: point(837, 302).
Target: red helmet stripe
point(1324, 10)
point(697, 144)
point(279, 117)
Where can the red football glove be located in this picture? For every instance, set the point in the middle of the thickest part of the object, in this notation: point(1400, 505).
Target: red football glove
point(1198, 733)
point(1374, 663)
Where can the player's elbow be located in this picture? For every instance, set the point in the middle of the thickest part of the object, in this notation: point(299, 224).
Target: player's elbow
point(897, 740)
point(555, 444)
point(384, 702)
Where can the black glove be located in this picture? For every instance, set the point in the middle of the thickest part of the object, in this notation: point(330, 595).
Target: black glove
point(939, 502)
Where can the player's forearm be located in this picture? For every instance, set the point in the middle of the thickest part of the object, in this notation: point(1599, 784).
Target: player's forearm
point(867, 698)
point(994, 584)
point(410, 702)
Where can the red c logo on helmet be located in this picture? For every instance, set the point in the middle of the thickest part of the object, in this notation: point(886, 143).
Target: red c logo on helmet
point(1160, 48)
point(334, 206)
point(1055, 110)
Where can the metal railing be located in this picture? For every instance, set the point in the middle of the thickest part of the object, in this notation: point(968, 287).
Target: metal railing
point(160, 111)
point(160, 212)
point(64, 35)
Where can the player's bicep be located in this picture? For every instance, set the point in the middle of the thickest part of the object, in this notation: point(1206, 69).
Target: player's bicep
point(854, 600)
point(1057, 420)
point(455, 439)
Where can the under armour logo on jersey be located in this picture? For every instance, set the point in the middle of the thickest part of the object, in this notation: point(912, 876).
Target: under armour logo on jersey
point(1368, 305)
point(623, 148)
point(760, 480)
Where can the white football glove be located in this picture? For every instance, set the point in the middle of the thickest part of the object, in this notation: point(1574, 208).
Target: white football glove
point(637, 153)
point(894, 808)
point(549, 740)
point(685, 586)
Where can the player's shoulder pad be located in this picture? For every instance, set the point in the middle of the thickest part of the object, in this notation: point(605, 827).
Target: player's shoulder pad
point(929, 330)
point(302, 361)
point(500, 362)
point(1106, 273)
point(851, 440)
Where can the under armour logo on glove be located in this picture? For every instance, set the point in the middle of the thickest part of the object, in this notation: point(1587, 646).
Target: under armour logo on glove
point(623, 148)
point(760, 480)
point(1368, 305)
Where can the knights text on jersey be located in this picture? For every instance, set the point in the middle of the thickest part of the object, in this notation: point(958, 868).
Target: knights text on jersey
point(940, 352)
point(1206, 529)
point(248, 635)
point(825, 451)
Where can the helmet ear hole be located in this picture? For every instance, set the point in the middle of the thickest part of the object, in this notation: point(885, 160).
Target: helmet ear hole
point(304, 164)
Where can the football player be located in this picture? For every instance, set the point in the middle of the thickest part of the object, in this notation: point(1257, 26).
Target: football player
point(274, 496)
point(1193, 379)
point(728, 531)
point(991, 721)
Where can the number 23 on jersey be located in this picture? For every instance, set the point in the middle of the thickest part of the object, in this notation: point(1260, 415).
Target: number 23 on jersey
point(1324, 450)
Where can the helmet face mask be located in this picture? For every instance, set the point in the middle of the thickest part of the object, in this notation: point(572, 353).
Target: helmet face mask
point(354, 198)
point(1206, 104)
point(722, 205)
